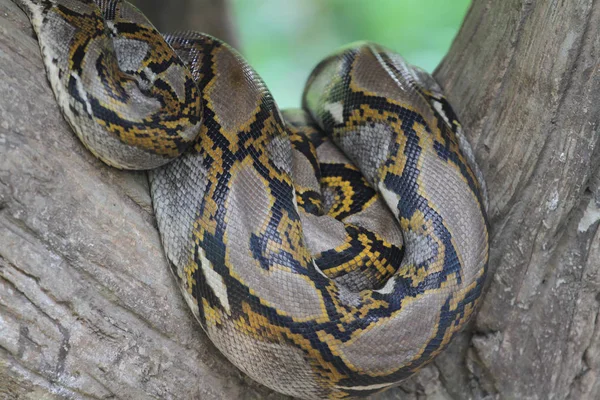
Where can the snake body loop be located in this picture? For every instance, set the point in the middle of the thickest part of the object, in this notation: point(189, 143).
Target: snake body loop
point(328, 252)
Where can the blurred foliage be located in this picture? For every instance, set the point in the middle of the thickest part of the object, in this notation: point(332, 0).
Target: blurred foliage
point(284, 39)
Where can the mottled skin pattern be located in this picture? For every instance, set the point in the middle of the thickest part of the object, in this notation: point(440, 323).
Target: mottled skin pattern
point(322, 265)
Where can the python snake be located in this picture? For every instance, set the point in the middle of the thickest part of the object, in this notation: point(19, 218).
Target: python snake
point(323, 265)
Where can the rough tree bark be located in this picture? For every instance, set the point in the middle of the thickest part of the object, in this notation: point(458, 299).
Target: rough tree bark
point(88, 308)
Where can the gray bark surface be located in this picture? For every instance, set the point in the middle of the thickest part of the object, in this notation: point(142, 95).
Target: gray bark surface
point(89, 310)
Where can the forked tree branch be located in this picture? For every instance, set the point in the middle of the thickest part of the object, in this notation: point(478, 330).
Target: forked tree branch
point(88, 308)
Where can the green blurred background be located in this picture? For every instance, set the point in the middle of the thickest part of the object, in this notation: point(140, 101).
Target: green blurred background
point(283, 39)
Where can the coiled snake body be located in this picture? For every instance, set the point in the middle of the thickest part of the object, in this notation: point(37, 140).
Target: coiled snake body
point(322, 265)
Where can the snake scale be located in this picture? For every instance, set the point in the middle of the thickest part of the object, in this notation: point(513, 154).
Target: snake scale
point(327, 252)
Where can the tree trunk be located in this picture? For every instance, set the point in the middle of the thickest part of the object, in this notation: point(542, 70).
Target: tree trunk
point(88, 308)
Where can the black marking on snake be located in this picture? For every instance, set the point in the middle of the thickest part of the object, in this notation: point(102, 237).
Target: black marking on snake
point(444, 152)
point(73, 91)
point(115, 89)
point(310, 202)
point(335, 257)
point(301, 142)
point(108, 8)
point(164, 87)
point(362, 192)
point(215, 253)
point(133, 29)
point(140, 129)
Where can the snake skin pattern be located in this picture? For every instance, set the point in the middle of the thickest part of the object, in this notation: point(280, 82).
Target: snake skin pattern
point(322, 265)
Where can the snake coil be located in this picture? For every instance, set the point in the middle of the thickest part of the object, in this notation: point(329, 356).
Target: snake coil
point(323, 265)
